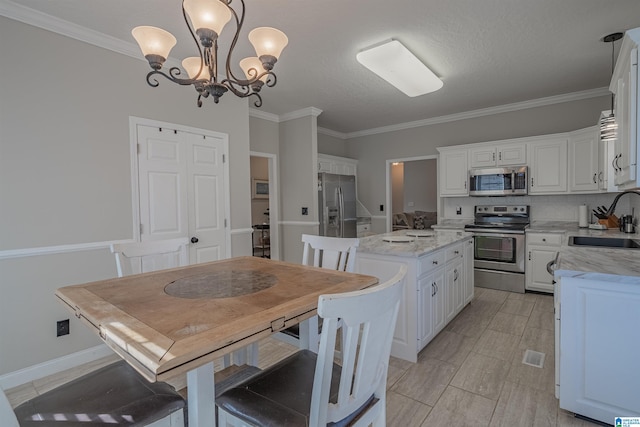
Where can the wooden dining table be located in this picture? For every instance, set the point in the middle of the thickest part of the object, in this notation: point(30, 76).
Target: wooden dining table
point(178, 321)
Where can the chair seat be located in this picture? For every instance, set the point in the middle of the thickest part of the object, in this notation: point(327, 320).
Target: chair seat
point(281, 395)
point(114, 394)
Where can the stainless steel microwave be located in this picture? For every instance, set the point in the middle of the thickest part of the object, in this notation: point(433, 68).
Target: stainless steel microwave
point(507, 181)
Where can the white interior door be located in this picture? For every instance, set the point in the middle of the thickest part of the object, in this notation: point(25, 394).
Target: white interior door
point(182, 190)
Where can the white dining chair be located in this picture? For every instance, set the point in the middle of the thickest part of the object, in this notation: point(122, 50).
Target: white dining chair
point(334, 253)
point(310, 390)
point(112, 395)
point(142, 257)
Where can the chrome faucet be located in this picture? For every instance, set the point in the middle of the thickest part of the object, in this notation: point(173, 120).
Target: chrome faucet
point(615, 201)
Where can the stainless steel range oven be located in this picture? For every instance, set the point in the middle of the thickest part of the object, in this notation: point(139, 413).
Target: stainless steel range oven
point(499, 248)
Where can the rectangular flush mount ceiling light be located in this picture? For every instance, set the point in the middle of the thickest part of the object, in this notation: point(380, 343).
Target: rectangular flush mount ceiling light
point(394, 63)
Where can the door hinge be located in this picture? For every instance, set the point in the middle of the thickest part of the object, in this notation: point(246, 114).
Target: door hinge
point(225, 223)
point(138, 148)
point(224, 158)
point(140, 229)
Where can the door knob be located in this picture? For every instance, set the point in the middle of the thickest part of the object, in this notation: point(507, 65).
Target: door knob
point(194, 240)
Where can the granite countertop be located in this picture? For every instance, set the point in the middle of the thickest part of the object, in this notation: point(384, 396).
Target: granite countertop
point(552, 226)
point(452, 224)
point(417, 247)
point(625, 262)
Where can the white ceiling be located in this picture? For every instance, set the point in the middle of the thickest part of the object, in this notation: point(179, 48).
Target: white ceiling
point(487, 52)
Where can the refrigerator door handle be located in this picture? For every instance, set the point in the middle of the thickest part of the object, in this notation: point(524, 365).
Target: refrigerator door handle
point(341, 213)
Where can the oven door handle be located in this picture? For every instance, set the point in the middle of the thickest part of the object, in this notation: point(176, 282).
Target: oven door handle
point(498, 234)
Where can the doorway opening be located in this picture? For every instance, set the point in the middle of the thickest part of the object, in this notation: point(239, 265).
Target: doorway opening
point(264, 205)
point(412, 186)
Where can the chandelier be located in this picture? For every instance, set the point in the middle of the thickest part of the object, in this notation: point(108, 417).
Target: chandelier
point(205, 20)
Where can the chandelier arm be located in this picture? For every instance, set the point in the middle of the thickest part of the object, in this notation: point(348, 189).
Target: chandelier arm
point(172, 76)
point(258, 102)
point(239, 89)
point(195, 39)
point(239, 23)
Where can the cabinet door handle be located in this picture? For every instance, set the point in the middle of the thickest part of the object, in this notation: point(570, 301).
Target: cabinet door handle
point(600, 176)
point(494, 157)
point(595, 176)
point(435, 262)
point(532, 181)
point(544, 239)
point(529, 255)
point(455, 274)
point(456, 252)
point(500, 155)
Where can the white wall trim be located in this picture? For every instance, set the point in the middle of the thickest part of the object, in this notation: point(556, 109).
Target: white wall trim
point(60, 249)
point(540, 102)
point(242, 231)
point(302, 223)
point(53, 366)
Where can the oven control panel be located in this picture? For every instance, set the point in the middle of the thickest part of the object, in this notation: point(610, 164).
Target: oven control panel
point(502, 210)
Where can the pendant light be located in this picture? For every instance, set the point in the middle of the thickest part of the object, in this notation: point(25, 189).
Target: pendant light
point(608, 124)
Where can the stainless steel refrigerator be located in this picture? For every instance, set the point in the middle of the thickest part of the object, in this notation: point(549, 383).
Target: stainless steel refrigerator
point(337, 204)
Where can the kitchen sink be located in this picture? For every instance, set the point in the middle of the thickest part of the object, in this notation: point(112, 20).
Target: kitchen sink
point(604, 242)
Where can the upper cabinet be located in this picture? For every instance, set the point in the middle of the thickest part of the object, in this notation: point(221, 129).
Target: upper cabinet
point(454, 172)
point(624, 85)
point(337, 165)
point(501, 155)
point(585, 174)
point(548, 166)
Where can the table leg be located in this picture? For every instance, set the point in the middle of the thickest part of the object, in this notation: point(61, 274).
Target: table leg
point(309, 338)
point(201, 396)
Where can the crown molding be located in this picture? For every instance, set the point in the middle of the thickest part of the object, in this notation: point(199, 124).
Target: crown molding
point(259, 114)
point(333, 133)
point(540, 102)
point(305, 112)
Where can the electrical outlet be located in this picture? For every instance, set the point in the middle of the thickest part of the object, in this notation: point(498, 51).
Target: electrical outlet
point(381, 208)
point(62, 327)
point(305, 211)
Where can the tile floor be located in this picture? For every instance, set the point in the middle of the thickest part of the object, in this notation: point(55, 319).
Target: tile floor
point(471, 374)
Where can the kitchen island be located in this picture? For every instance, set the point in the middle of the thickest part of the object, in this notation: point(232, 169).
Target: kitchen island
point(438, 284)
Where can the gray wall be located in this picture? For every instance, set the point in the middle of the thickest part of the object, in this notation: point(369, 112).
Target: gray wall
point(65, 174)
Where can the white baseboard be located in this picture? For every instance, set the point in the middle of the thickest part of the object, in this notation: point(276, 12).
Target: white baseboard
point(41, 370)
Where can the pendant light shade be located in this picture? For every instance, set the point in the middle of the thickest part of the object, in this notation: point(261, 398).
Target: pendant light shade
point(154, 41)
point(192, 67)
point(207, 14)
point(268, 43)
point(252, 68)
point(608, 123)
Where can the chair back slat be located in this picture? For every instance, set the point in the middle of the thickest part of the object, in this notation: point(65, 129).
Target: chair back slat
point(333, 253)
point(368, 318)
point(7, 416)
point(143, 257)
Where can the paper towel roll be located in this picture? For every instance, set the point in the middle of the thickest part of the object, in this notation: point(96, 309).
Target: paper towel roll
point(583, 216)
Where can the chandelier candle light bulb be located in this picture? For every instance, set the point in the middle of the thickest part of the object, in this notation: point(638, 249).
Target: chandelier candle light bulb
point(207, 19)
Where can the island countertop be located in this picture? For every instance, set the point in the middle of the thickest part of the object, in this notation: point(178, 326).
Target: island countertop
point(417, 247)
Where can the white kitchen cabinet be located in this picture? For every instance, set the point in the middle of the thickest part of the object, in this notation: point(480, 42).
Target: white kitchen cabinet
point(599, 346)
point(584, 160)
point(469, 289)
point(624, 84)
point(607, 171)
point(454, 171)
point(436, 290)
point(337, 165)
point(501, 155)
point(541, 249)
point(548, 166)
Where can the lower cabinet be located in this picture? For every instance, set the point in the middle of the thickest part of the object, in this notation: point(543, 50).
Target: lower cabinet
point(541, 249)
point(438, 286)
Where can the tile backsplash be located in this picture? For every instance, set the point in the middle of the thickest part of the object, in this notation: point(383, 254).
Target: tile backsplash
point(543, 208)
